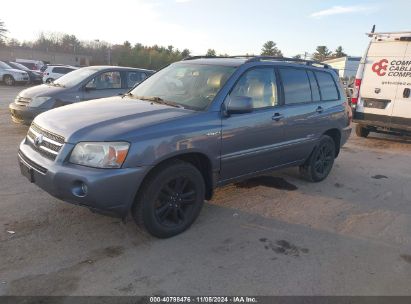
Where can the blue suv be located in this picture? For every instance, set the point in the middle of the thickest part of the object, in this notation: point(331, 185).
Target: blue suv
point(159, 151)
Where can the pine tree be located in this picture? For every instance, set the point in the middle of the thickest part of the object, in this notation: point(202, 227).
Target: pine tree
point(321, 53)
point(339, 52)
point(270, 49)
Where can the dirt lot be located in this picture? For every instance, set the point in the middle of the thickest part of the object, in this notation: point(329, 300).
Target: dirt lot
point(276, 235)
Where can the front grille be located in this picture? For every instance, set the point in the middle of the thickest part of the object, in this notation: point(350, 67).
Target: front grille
point(22, 100)
point(46, 143)
point(32, 163)
point(58, 138)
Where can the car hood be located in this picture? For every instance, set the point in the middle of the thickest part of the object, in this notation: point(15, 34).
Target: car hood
point(106, 119)
point(40, 90)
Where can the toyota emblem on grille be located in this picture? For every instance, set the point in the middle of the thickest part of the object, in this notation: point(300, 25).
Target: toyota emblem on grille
point(38, 140)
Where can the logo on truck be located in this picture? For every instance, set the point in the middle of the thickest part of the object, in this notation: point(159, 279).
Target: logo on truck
point(380, 67)
point(393, 68)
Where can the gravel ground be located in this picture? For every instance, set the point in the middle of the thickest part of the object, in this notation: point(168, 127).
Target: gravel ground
point(273, 235)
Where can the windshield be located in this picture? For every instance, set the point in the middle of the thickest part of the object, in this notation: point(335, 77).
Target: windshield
point(192, 86)
point(4, 66)
point(75, 77)
point(20, 66)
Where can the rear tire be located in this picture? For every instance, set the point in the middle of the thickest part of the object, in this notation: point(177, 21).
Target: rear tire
point(49, 80)
point(170, 200)
point(9, 80)
point(321, 161)
point(361, 131)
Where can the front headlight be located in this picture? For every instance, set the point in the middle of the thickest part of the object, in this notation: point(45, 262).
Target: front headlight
point(38, 101)
point(100, 154)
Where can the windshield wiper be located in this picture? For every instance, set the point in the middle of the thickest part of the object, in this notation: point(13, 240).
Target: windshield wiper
point(56, 84)
point(158, 100)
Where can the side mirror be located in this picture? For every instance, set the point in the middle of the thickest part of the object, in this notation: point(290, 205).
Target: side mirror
point(239, 105)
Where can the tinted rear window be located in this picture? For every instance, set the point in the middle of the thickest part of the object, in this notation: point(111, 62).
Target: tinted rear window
point(58, 70)
point(327, 86)
point(296, 85)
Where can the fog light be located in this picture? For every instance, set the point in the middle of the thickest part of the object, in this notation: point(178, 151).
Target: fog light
point(80, 189)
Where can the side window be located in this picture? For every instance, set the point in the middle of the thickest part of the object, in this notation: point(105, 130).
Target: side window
point(134, 78)
point(327, 86)
point(260, 85)
point(58, 70)
point(68, 70)
point(296, 85)
point(315, 92)
point(107, 80)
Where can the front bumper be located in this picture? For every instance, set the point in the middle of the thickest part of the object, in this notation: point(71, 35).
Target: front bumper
point(108, 191)
point(24, 114)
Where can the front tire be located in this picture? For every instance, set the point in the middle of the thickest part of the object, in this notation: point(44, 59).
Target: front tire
point(9, 80)
point(170, 200)
point(321, 161)
point(361, 131)
point(49, 80)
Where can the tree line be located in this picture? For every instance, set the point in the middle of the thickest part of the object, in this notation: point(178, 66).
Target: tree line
point(137, 55)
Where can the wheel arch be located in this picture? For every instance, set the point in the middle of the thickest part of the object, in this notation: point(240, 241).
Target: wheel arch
point(5, 75)
point(335, 134)
point(199, 160)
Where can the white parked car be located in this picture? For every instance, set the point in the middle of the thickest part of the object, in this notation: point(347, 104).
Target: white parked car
point(382, 89)
point(54, 72)
point(10, 76)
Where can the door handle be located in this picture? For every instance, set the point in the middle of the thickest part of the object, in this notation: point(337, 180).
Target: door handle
point(319, 109)
point(277, 116)
point(406, 93)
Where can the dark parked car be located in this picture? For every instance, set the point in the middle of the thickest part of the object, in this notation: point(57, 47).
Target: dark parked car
point(82, 84)
point(159, 151)
point(36, 77)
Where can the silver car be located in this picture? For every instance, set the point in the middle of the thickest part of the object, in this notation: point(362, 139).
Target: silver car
point(11, 76)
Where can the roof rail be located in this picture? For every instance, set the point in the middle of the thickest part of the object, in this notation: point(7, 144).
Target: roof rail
point(204, 56)
point(254, 58)
point(287, 59)
point(387, 33)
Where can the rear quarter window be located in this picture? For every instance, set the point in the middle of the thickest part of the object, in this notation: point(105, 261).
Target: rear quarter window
point(58, 70)
point(328, 88)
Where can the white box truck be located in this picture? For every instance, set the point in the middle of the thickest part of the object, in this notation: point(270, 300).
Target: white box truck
point(382, 87)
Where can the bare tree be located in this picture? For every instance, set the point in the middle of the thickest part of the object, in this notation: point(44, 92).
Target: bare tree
point(3, 30)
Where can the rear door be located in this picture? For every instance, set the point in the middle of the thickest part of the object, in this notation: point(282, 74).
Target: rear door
point(401, 110)
point(299, 111)
point(133, 78)
point(380, 79)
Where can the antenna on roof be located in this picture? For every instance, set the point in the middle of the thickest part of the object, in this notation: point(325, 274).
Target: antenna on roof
point(372, 31)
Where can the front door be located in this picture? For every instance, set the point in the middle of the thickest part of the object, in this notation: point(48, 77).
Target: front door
point(250, 141)
point(105, 84)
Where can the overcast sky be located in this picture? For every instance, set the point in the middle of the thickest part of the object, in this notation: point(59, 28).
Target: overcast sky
point(228, 26)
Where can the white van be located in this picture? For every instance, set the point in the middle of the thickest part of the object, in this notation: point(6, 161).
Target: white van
point(381, 97)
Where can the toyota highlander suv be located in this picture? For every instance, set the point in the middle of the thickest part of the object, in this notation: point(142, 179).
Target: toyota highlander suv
point(159, 151)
